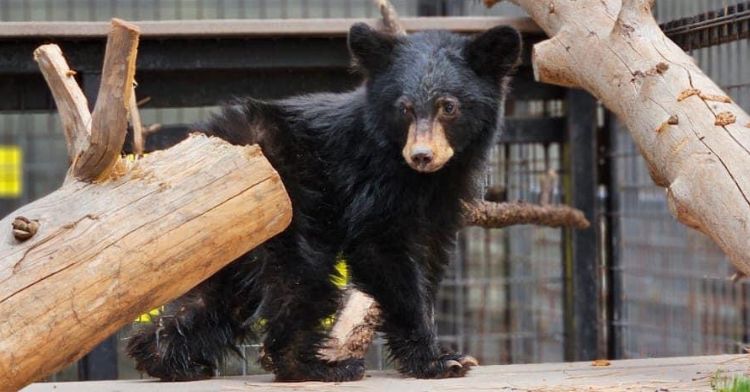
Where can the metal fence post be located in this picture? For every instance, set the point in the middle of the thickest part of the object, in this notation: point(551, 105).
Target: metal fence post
point(579, 270)
point(613, 289)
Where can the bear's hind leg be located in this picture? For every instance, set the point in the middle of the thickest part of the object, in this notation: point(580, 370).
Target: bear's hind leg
point(193, 334)
point(297, 301)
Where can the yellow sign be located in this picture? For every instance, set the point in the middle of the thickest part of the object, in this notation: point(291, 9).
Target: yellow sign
point(11, 158)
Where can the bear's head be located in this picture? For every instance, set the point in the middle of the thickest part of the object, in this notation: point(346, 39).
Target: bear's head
point(434, 94)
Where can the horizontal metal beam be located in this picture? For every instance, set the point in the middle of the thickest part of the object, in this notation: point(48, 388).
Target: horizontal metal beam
point(182, 54)
point(245, 28)
point(177, 71)
point(211, 87)
point(189, 54)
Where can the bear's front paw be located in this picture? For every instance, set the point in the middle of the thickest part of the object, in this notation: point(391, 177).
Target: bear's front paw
point(446, 366)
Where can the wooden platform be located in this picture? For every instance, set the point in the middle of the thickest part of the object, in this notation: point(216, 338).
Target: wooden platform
point(667, 374)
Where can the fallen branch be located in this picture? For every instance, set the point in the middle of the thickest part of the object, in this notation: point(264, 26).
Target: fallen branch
point(497, 215)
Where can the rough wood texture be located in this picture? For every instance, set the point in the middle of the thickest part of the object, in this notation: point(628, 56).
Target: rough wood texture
point(656, 374)
point(693, 137)
point(106, 252)
point(110, 117)
point(71, 103)
point(496, 215)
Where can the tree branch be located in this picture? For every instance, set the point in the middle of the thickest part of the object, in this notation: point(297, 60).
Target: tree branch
point(497, 215)
point(110, 116)
point(69, 99)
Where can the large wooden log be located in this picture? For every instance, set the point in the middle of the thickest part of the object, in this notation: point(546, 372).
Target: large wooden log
point(121, 237)
point(695, 139)
point(105, 252)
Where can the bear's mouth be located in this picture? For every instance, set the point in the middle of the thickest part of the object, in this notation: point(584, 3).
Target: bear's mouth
point(424, 167)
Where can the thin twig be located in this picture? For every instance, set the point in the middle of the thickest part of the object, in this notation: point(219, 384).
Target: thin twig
point(135, 121)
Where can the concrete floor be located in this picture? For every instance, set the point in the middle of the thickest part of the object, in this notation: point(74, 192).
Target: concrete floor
point(666, 374)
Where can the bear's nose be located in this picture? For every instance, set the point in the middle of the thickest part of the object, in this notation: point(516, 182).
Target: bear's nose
point(421, 156)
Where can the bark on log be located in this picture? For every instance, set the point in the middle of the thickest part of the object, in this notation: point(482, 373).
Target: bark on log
point(694, 138)
point(106, 252)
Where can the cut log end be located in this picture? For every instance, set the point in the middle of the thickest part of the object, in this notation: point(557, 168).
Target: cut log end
point(125, 25)
point(355, 327)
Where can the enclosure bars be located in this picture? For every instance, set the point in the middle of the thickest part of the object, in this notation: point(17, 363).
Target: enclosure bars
point(580, 253)
point(711, 28)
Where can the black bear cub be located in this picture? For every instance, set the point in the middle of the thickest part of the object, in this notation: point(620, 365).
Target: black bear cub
point(376, 176)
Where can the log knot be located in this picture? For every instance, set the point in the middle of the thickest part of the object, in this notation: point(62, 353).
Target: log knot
point(24, 228)
point(725, 118)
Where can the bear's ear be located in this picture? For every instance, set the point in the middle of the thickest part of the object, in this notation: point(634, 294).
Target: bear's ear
point(494, 53)
point(371, 49)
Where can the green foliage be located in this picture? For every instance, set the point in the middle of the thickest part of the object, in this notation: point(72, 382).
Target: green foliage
point(721, 383)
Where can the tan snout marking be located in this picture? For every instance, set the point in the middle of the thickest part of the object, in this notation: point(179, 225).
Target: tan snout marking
point(427, 135)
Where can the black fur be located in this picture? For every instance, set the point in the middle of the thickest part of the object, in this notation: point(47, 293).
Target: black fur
point(339, 156)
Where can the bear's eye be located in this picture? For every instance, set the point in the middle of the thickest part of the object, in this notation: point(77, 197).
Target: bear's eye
point(448, 108)
point(404, 107)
